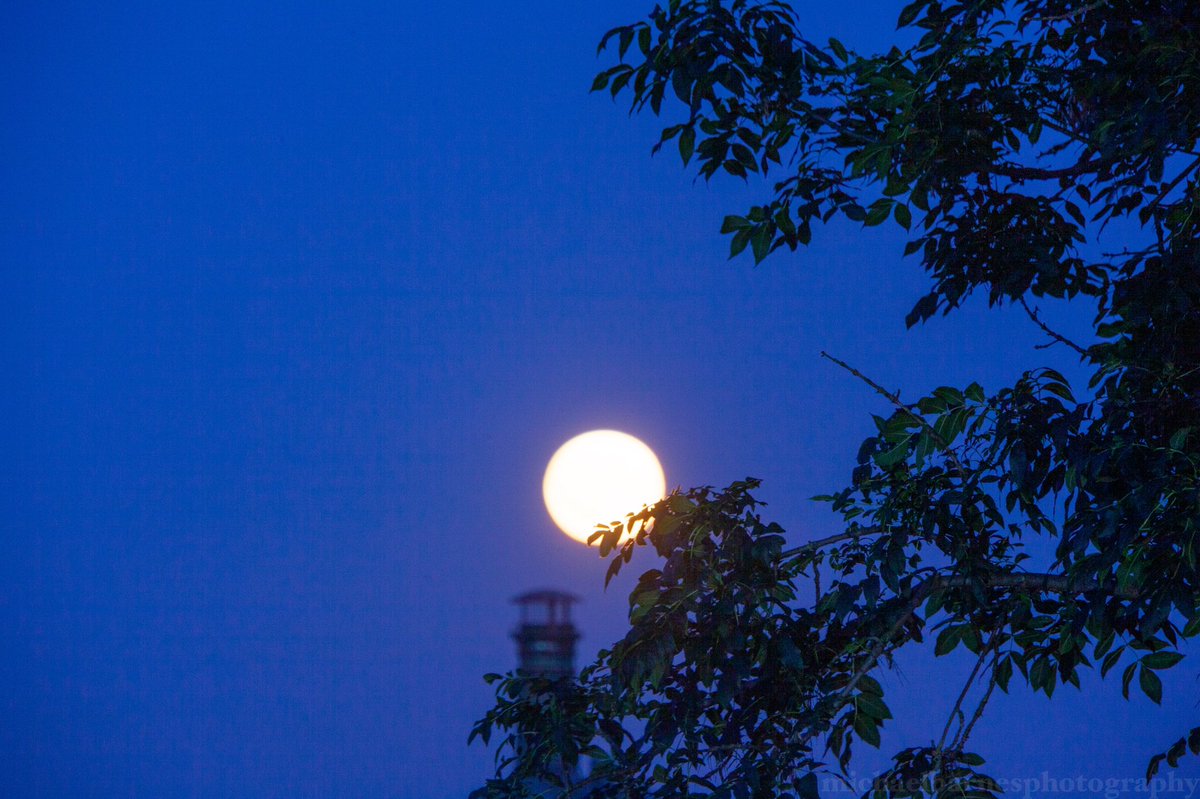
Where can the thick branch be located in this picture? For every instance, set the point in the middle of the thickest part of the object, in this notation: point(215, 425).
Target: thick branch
point(1021, 172)
point(1027, 581)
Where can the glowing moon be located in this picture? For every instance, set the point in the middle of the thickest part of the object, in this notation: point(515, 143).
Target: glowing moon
point(600, 477)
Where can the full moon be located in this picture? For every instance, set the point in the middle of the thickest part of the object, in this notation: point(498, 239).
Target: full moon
point(600, 477)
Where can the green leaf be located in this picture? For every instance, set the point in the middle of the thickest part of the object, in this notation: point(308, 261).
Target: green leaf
point(1039, 674)
point(870, 685)
point(687, 143)
point(1074, 212)
point(760, 242)
point(871, 705)
point(970, 638)
point(806, 787)
point(734, 223)
point(880, 210)
point(625, 38)
point(1161, 660)
point(948, 639)
point(620, 81)
point(1177, 751)
point(1192, 628)
point(909, 13)
point(867, 730)
point(903, 216)
point(1127, 678)
point(680, 504)
point(1004, 672)
point(735, 168)
point(739, 242)
point(1151, 685)
point(784, 221)
point(1035, 132)
point(789, 654)
point(886, 460)
point(1060, 390)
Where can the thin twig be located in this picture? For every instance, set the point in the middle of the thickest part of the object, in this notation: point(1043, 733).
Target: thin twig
point(894, 398)
point(1060, 17)
point(961, 741)
point(956, 711)
point(833, 539)
point(1033, 314)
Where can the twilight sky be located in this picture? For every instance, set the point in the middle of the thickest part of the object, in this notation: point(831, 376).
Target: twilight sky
point(298, 299)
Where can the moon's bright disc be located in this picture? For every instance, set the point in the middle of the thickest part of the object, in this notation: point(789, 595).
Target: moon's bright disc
point(600, 477)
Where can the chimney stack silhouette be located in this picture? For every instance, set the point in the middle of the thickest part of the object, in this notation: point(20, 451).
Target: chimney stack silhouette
point(545, 636)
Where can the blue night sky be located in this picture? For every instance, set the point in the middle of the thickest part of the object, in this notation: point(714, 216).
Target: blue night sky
point(297, 302)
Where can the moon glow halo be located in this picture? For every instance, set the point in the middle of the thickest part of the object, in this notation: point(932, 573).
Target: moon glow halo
point(599, 477)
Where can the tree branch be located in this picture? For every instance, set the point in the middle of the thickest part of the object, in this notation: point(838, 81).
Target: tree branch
point(1167, 189)
point(1051, 583)
point(1070, 14)
point(1033, 314)
point(1030, 581)
point(907, 609)
point(894, 398)
point(961, 740)
point(956, 711)
point(833, 539)
point(1021, 172)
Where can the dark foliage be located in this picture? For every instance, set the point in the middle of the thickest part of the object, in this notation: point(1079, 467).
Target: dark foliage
point(1004, 139)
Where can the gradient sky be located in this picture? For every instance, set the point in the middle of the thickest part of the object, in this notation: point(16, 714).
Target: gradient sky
point(298, 300)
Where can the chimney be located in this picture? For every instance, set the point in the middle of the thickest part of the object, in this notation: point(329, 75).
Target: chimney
point(546, 637)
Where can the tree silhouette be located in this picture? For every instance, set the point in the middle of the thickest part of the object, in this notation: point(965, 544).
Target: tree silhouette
point(1004, 141)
